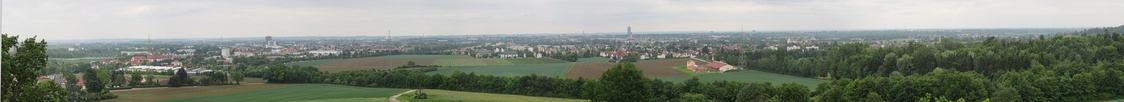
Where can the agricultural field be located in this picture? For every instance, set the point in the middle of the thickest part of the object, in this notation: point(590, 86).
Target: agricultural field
point(552, 69)
point(594, 59)
point(749, 76)
point(427, 57)
point(393, 61)
point(167, 93)
point(692, 73)
point(497, 62)
point(462, 62)
point(534, 61)
point(588, 69)
point(349, 100)
point(312, 62)
point(298, 92)
point(651, 68)
point(460, 96)
point(369, 63)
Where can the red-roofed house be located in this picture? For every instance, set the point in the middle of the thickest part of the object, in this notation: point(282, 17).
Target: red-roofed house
point(159, 57)
point(176, 63)
point(721, 66)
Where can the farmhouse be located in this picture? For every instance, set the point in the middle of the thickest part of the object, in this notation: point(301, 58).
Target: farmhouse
point(720, 66)
point(696, 68)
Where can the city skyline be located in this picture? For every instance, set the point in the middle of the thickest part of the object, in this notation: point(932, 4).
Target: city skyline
point(210, 19)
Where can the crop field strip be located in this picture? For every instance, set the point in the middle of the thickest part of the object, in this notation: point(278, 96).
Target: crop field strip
point(651, 68)
point(160, 94)
point(550, 69)
point(298, 92)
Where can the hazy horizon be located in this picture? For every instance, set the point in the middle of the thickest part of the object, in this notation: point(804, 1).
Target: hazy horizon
point(123, 19)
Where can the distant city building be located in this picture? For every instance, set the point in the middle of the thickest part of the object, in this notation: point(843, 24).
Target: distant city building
point(225, 53)
point(324, 52)
point(270, 43)
point(629, 32)
point(509, 55)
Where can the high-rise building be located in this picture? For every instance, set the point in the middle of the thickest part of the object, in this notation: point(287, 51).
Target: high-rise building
point(270, 43)
point(629, 32)
point(225, 52)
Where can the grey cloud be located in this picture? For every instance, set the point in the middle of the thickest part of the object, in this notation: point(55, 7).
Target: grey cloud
point(63, 19)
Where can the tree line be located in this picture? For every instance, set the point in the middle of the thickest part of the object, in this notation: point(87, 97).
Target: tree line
point(1058, 68)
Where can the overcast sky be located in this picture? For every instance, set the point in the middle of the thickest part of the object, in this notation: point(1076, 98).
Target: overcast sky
point(97, 19)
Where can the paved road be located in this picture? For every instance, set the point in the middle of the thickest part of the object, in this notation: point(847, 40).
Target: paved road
point(395, 97)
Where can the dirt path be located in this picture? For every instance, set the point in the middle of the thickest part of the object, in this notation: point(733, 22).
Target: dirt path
point(395, 97)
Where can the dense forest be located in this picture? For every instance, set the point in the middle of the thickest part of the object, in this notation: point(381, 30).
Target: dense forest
point(1082, 66)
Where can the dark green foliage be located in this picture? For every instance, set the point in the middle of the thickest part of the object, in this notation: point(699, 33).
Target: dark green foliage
point(623, 82)
point(134, 79)
point(93, 83)
point(20, 68)
point(180, 78)
point(793, 92)
point(238, 77)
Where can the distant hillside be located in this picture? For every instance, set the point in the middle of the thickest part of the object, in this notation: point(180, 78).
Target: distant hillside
point(1110, 30)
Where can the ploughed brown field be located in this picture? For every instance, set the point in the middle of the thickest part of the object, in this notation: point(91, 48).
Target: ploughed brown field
point(369, 63)
point(651, 68)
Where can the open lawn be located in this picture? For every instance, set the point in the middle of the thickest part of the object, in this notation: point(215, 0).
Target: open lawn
point(1117, 100)
point(166, 93)
point(298, 92)
point(460, 96)
point(749, 76)
point(552, 69)
point(312, 62)
point(594, 59)
point(651, 68)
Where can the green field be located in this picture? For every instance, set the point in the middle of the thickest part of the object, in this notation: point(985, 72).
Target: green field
point(552, 69)
point(460, 62)
point(460, 96)
point(534, 61)
point(1117, 100)
point(427, 57)
point(749, 76)
point(594, 59)
point(349, 100)
point(299, 92)
point(312, 63)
